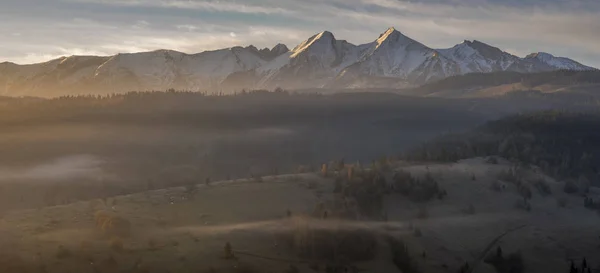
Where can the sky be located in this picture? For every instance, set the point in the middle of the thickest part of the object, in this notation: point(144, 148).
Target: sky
point(39, 30)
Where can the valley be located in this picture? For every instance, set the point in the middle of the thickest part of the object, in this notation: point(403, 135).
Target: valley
point(185, 229)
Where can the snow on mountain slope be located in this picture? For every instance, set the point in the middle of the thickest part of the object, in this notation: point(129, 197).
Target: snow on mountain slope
point(74, 69)
point(161, 68)
point(315, 61)
point(24, 79)
point(392, 60)
point(276, 51)
point(557, 62)
point(478, 57)
point(31, 70)
point(397, 56)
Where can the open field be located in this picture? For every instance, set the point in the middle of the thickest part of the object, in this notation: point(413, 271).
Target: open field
point(185, 229)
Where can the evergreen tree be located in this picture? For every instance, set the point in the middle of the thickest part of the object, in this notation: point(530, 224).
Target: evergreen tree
point(499, 253)
point(573, 268)
point(229, 251)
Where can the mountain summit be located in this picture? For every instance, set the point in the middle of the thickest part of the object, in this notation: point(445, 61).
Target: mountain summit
point(556, 62)
point(392, 60)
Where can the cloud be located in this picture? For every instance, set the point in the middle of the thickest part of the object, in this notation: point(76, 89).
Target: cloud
point(141, 24)
point(219, 6)
point(47, 28)
point(187, 27)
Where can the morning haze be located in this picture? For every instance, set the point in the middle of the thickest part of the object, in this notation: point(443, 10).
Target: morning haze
point(299, 136)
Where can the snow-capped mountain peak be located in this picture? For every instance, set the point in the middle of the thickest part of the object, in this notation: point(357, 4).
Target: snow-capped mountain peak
point(318, 59)
point(556, 62)
point(541, 56)
point(390, 33)
point(395, 55)
point(323, 40)
point(280, 49)
point(391, 60)
point(475, 56)
point(394, 38)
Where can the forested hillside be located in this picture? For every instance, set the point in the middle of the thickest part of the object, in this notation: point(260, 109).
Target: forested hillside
point(513, 81)
point(564, 144)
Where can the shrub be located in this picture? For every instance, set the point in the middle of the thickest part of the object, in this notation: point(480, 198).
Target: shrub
point(191, 188)
point(112, 225)
point(324, 171)
point(509, 176)
point(492, 160)
point(350, 172)
point(442, 194)
point(302, 169)
point(570, 187)
point(329, 244)
point(152, 245)
point(337, 188)
point(401, 256)
point(523, 204)
point(496, 186)
point(542, 186)
point(525, 191)
point(470, 209)
point(418, 232)
point(423, 213)
point(511, 264)
point(116, 244)
point(85, 245)
point(424, 192)
point(368, 194)
point(110, 264)
point(403, 181)
point(63, 252)
point(418, 190)
point(589, 203)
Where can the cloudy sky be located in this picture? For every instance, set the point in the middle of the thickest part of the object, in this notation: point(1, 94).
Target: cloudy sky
point(39, 30)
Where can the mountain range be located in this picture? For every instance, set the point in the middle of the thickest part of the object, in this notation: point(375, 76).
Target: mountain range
point(393, 60)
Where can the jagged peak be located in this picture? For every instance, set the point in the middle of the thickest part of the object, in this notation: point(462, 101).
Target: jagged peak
point(558, 62)
point(324, 37)
point(325, 34)
point(394, 37)
point(484, 49)
point(390, 34)
point(475, 44)
point(539, 55)
point(388, 31)
point(280, 48)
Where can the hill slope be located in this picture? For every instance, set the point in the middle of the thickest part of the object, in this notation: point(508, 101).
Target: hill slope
point(564, 144)
point(473, 85)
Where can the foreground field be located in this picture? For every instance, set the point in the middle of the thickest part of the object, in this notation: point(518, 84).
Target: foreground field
point(267, 220)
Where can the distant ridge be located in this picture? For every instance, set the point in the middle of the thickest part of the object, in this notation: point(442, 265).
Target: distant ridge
point(393, 60)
